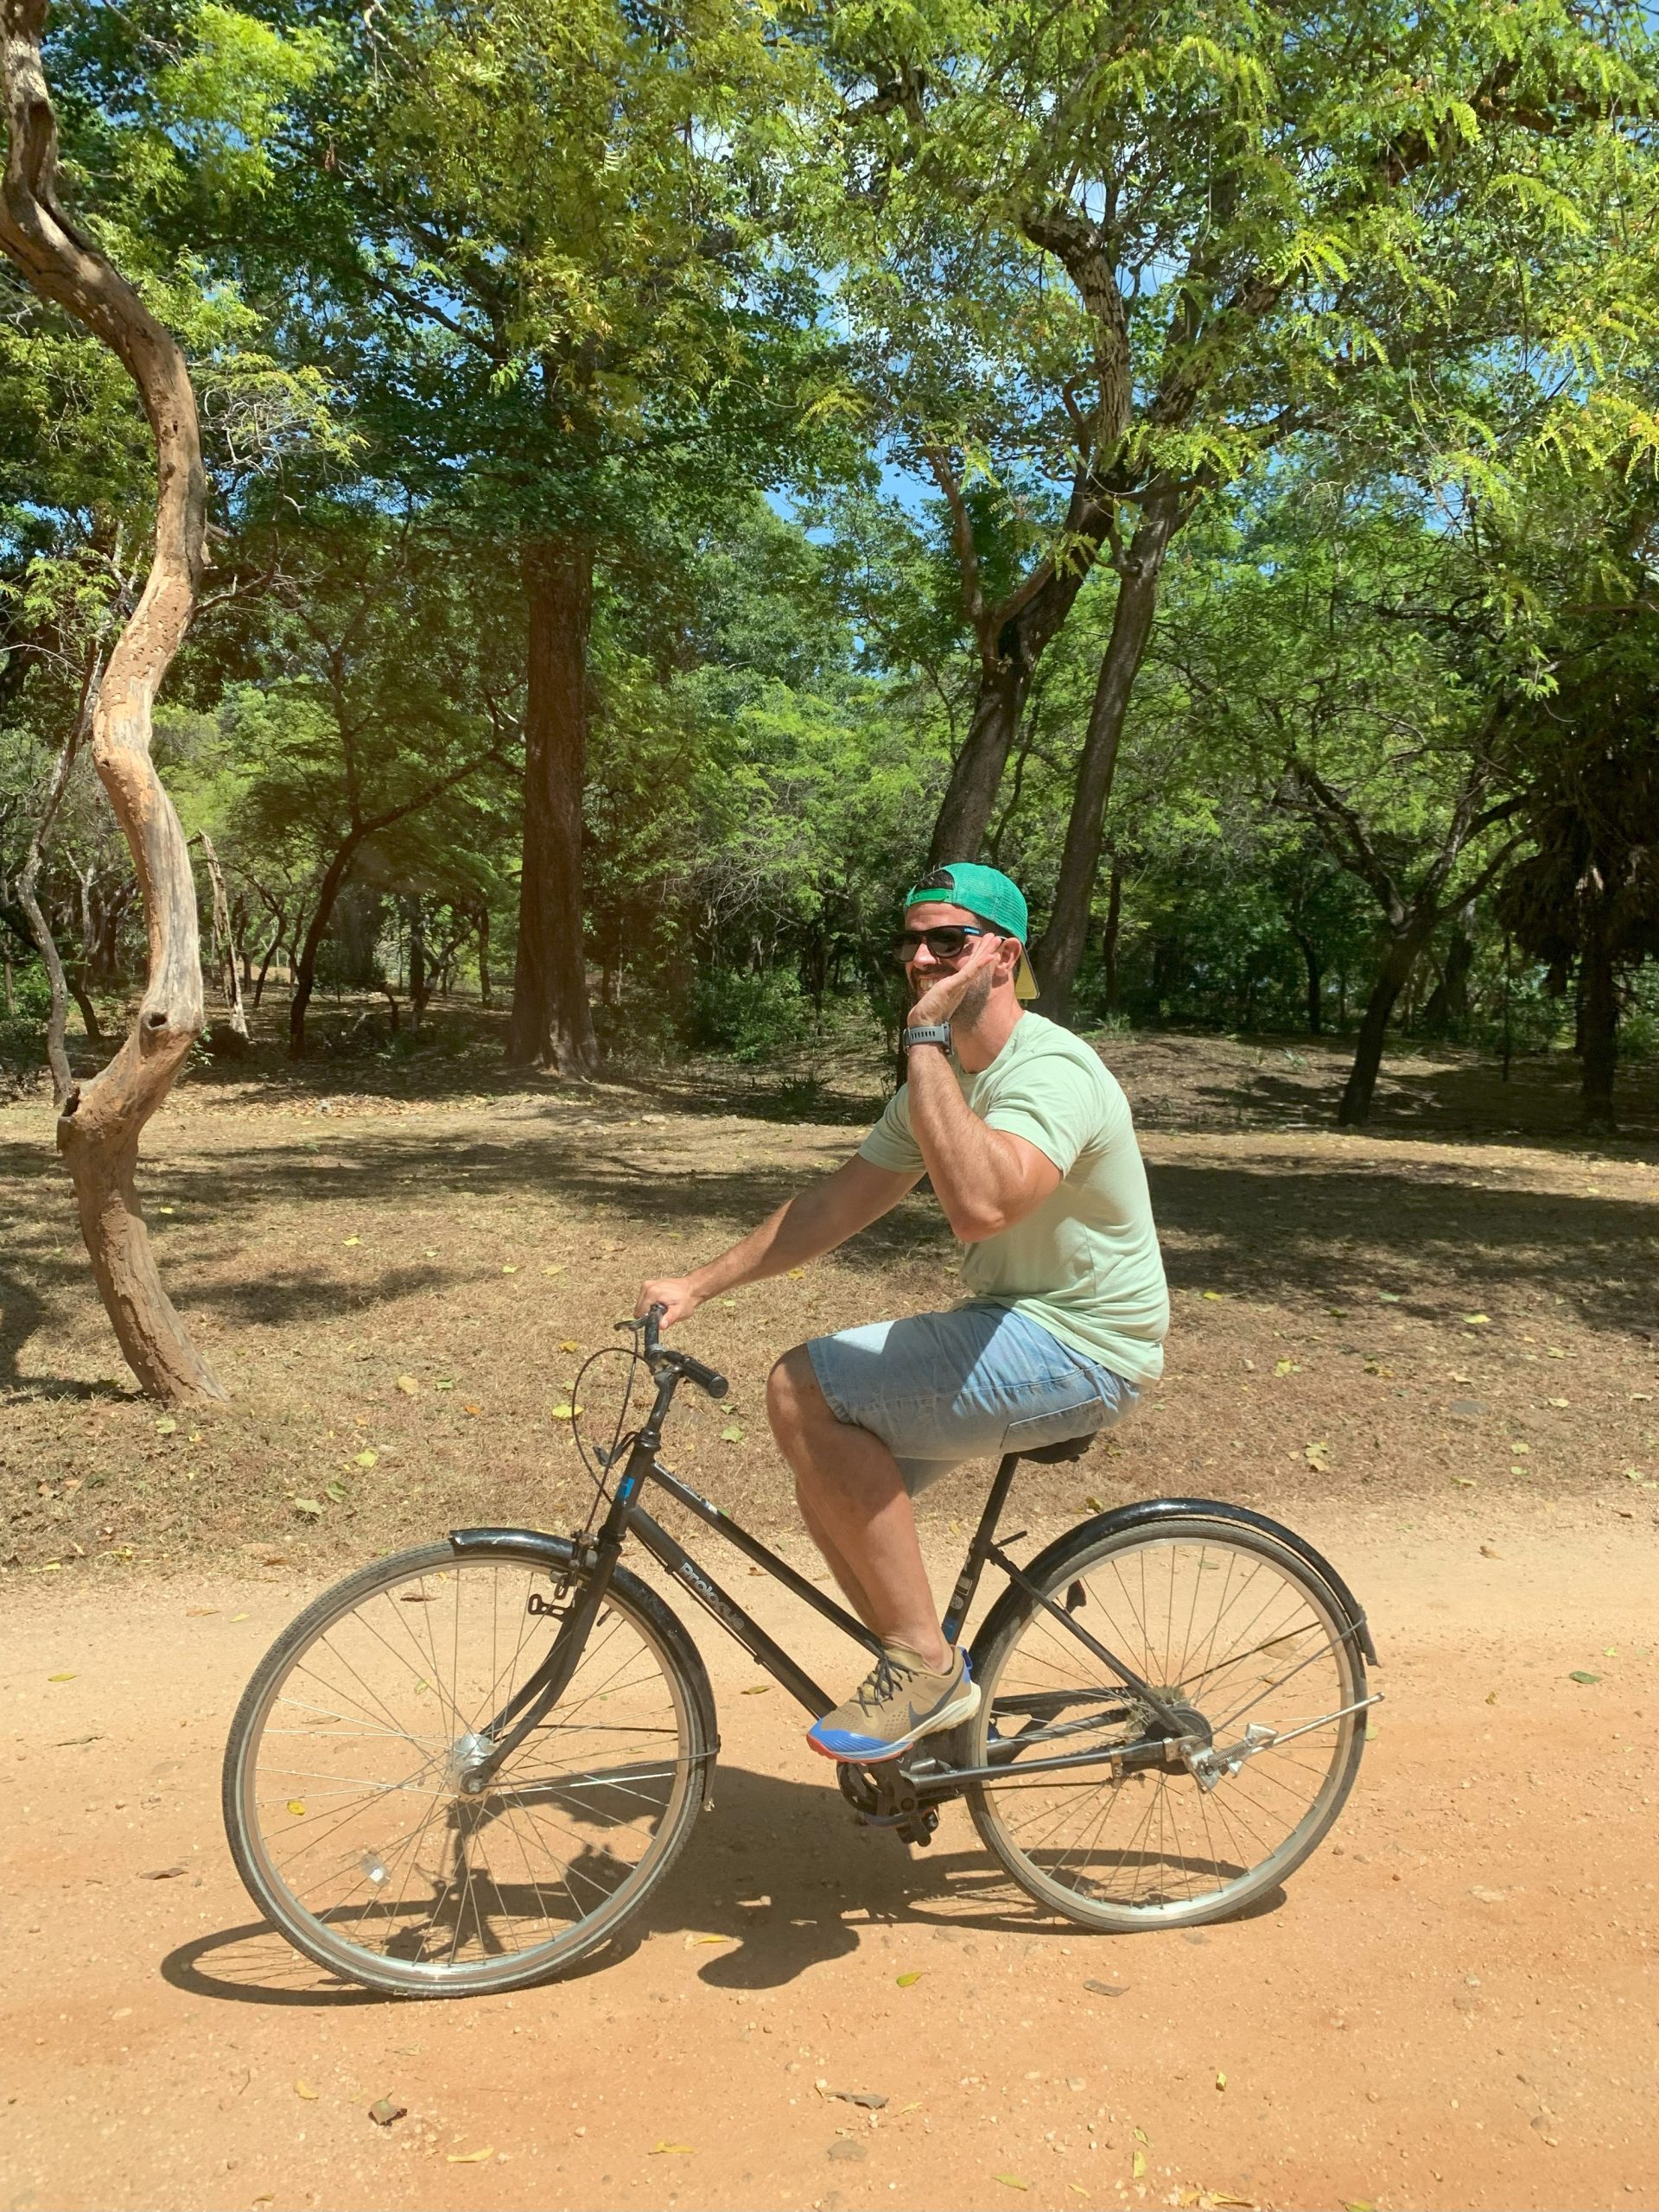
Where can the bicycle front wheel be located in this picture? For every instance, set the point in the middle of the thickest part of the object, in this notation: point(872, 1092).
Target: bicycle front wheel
point(345, 1791)
point(1227, 1623)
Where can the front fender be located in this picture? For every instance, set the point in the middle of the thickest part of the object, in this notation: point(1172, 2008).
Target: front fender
point(1148, 1514)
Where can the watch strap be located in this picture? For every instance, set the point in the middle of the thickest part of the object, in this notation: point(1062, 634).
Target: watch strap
point(928, 1033)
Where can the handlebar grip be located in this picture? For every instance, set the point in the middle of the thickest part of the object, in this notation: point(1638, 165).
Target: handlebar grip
point(705, 1377)
point(652, 1320)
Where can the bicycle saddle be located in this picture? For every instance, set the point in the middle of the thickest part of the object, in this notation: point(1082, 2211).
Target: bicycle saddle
point(1069, 1448)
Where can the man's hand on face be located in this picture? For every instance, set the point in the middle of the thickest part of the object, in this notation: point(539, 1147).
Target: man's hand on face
point(675, 1292)
point(940, 999)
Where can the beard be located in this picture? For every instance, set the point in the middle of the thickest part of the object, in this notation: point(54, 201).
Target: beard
point(974, 1001)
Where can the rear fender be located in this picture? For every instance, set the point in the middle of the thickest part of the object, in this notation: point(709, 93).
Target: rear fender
point(556, 1554)
point(1149, 1515)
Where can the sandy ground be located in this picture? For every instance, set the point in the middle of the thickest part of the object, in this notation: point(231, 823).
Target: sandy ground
point(1452, 2004)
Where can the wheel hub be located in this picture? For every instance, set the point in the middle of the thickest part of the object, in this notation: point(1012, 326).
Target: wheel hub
point(467, 1769)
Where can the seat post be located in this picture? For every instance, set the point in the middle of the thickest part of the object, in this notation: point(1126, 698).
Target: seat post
point(974, 1565)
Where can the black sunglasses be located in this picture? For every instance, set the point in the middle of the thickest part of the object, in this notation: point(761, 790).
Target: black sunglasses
point(945, 944)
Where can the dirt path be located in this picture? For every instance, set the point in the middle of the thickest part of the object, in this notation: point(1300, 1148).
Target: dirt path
point(1452, 2006)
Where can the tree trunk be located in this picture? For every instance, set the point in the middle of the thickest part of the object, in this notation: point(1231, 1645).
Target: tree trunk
point(305, 972)
point(1310, 953)
point(965, 811)
point(1598, 1030)
point(420, 989)
point(88, 1011)
point(222, 937)
point(1449, 1000)
point(1405, 948)
point(1056, 959)
point(272, 951)
point(57, 1055)
point(551, 1025)
point(101, 1124)
point(484, 999)
point(1114, 923)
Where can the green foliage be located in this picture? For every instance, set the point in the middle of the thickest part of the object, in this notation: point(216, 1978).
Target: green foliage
point(750, 1017)
point(1374, 290)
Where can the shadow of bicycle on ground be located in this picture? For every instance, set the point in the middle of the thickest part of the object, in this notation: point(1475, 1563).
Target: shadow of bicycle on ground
point(777, 1879)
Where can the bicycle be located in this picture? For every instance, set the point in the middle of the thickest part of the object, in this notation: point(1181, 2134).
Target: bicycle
point(464, 1767)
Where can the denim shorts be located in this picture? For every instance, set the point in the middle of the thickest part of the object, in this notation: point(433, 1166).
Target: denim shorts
point(972, 1383)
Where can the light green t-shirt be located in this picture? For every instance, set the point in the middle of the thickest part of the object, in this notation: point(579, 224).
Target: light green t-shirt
point(1085, 1264)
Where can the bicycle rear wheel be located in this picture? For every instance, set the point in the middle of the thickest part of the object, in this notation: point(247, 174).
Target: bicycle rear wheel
point(1228, 1624)
point(343, 1787)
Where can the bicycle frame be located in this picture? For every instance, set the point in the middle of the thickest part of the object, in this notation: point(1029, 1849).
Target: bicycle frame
point(626, 1516)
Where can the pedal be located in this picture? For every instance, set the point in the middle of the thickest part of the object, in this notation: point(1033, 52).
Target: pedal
point(898, 1806)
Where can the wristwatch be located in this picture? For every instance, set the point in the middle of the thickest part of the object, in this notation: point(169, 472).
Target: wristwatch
point(929, 1032)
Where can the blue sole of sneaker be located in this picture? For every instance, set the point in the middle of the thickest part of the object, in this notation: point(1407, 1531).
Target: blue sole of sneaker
point(867, 1751)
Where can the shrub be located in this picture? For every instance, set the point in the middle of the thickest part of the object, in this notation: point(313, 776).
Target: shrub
point(750, 1018)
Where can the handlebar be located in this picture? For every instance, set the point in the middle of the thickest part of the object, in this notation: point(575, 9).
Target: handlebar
point(707, 1378)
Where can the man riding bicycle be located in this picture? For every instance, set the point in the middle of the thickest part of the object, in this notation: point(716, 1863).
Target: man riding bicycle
point(1030, 1147)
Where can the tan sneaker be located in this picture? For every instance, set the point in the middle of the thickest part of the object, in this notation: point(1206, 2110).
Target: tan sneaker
point(897, 1703)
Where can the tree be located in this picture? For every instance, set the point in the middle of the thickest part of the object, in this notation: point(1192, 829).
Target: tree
point(539, 235)
point(1122, 256)
point(100, 1124)
point(68, 267)
point(1340, 645)
point(1589, 890)
point(379, 700)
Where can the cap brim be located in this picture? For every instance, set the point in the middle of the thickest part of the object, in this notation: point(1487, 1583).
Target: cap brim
point(1025, 982)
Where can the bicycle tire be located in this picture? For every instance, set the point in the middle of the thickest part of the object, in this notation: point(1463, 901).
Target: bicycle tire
point(1146, 1557)
point(527, 1801)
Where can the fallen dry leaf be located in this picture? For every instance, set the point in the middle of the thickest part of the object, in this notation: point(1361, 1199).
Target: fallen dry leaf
point(909, 1980)
point(162, 1874)
point(1011, 2180)
point(671, 2149)
point(408, 1385)
point(471, 2157)
point(304, 2089)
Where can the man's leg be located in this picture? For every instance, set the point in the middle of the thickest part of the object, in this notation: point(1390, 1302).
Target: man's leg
point(851, 1589)
point(855, 1505)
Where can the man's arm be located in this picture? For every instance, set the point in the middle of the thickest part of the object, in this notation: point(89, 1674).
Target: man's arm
point(814, 1221)
point(985, 1179)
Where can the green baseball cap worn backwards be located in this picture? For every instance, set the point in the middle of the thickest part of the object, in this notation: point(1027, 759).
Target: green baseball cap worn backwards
point(996, 898)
